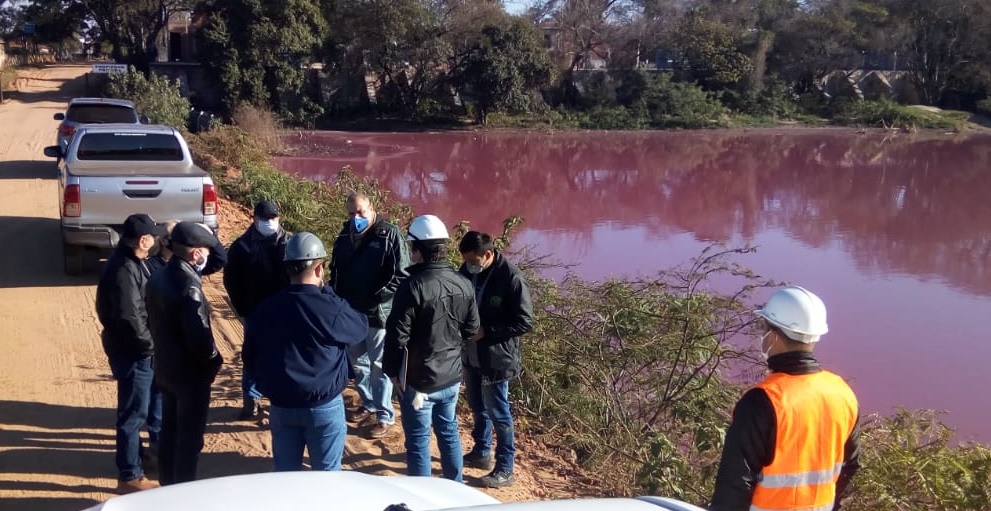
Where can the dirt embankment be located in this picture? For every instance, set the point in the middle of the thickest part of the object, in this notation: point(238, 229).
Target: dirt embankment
point(57, 397)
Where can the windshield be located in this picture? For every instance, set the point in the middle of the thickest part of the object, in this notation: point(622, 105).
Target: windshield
point(101, 114)
point(129, 146)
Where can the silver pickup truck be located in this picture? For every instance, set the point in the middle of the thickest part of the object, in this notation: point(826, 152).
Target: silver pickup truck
point(110, 171)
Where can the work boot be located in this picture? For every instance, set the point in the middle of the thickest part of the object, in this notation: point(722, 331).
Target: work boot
point(136, 484)
point(360, 415)
point(379, 430)
point(474, 459)
point(249, 410)
point(498, 479)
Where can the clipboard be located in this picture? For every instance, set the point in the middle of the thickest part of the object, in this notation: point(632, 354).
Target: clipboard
point(403, 364)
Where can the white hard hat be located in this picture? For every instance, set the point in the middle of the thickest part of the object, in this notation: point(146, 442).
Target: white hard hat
point(427, 227)
point(798, 312)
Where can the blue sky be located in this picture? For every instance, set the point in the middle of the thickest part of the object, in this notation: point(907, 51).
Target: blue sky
point(515, 6)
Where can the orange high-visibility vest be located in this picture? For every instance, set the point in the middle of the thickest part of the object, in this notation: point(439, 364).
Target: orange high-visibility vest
point(815, 415)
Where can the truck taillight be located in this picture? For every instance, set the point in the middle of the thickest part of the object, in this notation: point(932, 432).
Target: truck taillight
point(66, 130)
point(209, 199)
point(71, 202)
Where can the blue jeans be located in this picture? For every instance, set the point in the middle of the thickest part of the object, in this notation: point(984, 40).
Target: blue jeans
point(139, 405)
point(490, 406)
point(438, 409)
point(248, 389)
point(321, 430)
point(374, 387)
point(184, 415)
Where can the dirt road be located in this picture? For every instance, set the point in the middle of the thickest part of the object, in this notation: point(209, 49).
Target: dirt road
point(56, 394)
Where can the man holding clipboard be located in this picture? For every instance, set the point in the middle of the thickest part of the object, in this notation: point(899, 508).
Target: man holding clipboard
point(433, 314)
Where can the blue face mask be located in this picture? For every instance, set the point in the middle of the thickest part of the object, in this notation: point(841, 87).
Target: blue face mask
point(360, 223)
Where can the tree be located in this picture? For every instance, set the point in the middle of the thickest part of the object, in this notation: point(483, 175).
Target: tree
point(941, 38)
point(259, 52)
point(132, 27)
point(402, 41)
point(56, 21)
point(708, 52)
point(502, 66)
point(592, 27)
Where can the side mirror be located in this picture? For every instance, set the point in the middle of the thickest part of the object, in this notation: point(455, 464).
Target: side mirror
point(53, 151)
point(144, 119)
point(59, 116)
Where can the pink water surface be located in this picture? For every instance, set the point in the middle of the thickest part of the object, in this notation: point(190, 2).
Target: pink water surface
point(893, 231)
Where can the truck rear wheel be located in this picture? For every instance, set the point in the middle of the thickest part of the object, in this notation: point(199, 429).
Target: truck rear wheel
point(75, 258)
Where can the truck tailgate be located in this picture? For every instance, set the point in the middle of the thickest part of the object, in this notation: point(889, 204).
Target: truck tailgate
point(109, 200)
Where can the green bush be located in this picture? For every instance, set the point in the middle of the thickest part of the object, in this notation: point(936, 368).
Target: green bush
point(679, 104)
point(609, 118)
point(157, 97)
point(984, 107)
point(887, 114)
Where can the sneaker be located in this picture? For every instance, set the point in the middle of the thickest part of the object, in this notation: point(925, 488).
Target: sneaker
point(379, 430)
point(359, 415)
point(475, 459)
point(137, 484)
point(499, 479)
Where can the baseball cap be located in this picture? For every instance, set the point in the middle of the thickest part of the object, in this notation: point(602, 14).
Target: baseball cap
point(266, 209)
point(138, 225)
point(193, 235)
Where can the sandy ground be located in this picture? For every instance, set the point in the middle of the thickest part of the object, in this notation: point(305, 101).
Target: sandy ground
point(56, 393)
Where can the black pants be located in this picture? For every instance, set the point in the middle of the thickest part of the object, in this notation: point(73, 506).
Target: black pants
point(184, 415)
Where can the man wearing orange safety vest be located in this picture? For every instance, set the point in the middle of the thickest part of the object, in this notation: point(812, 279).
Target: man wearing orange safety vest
point(794, 442)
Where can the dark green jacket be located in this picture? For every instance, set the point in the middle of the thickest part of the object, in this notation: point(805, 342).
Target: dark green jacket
point(366, 270)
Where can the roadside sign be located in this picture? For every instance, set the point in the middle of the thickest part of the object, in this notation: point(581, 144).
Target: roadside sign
point(109, 68)
point(28, 28)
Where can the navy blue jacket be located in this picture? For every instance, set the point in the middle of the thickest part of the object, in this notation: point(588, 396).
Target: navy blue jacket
point(295, 345)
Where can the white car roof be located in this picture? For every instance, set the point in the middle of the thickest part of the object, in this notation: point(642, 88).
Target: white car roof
point(351, 491)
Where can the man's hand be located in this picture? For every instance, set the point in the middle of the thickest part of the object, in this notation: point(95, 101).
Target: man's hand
point(478, 336)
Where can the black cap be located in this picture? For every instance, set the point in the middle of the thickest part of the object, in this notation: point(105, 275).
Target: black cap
point(266, 209)
point(193, 235)
point(136, 226)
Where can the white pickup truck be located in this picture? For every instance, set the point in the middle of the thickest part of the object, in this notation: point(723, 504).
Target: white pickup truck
point(110, 171)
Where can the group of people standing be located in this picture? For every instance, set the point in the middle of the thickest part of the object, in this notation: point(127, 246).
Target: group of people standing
point(390, 312)
point(384, 309)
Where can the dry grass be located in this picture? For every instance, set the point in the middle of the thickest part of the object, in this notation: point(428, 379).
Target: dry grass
point(263, 125)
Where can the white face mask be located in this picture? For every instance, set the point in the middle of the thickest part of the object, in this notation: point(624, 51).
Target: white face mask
point(764, 355)
point(202, 264)
point(267, 227)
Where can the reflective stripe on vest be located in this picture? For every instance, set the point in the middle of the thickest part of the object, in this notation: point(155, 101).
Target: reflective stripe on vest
point(827, 507)
point(802, 478)
point(814, 416)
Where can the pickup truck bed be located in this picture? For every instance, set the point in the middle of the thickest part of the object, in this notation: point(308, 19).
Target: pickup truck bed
point(111, 171)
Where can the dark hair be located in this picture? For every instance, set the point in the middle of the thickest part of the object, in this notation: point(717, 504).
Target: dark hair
point(433, 251)
point(476, 242)
point(301, 268)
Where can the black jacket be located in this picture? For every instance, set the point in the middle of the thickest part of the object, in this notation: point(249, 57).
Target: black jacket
point(506, 313)
point(433, 314)
point(120, 305)
point(255, 269)
point(366, 269)
point(751, 438)
point(179, 317)
point(295, 345)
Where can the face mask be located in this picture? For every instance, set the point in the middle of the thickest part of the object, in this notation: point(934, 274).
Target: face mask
point(360, 223)
point(474, 268)
point(202, 264)
point(267, 227)
point(764, 355)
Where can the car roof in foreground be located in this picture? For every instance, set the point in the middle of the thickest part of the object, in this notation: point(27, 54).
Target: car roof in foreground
point(101, 101)
point(352, 491)
point(128, 128)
